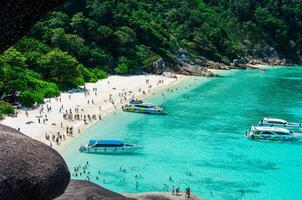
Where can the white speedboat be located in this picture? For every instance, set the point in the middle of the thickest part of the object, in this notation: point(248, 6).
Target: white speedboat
point(270, 133)
point(144, 108)
point(109, 147)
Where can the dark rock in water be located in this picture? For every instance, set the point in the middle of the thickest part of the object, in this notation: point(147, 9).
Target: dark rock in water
point(17, 17)
point(29, 170)
point(83, 190)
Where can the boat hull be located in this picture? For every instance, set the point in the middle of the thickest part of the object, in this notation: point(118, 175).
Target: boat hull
point(109, 150)
point(271, 137)
point(144, 111)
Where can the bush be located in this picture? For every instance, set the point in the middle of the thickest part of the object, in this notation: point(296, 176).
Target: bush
point(100, 74)
point(121, 69)
point(6, 108)
point(86, 74)
point(91, 75)
point(51, 90)
point(28, 98)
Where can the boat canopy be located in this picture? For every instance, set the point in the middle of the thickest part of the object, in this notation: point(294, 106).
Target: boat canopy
point(274, 120)
point(105, 143)
point(136, 101)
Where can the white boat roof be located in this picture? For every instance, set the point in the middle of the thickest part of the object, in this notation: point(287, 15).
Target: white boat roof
point(274, 120)
point(265, 128)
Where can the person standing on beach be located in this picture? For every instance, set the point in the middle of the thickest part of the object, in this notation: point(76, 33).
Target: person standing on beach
point(173, 190)
point(188, 192)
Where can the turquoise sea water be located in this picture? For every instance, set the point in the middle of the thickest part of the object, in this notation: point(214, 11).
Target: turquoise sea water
point(203, 132)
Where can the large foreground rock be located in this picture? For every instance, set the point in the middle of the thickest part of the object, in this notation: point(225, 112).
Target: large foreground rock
point(18, 16)
point(83, 190)
point(29, 170)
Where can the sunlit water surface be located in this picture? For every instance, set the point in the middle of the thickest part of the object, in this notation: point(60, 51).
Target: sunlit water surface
point(203, 133)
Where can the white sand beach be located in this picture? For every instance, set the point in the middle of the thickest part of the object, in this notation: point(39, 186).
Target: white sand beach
point(81, 109)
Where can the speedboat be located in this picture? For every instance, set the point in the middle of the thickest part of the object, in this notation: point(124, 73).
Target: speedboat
point(273, 122)
point(270, 133)
point(135, 101)
point(109, 147)
point(144, 108)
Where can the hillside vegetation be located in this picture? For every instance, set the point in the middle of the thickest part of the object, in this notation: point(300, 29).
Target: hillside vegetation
point(83, 40)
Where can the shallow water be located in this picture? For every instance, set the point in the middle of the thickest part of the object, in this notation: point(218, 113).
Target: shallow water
point(203, 133)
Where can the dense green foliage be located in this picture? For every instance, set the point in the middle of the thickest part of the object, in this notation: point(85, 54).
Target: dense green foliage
point(127, 36)
point(5, 108)
point(256, 24)
point(84, 39)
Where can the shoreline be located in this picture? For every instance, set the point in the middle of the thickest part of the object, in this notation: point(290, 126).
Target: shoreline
point(100, 99)
point(53, 121)
point(180, 78)
point(160, 196)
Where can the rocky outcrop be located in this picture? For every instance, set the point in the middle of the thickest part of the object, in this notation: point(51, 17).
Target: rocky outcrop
point(83, 190)
point(194, 69)
point(18, 16)
point(159, 66)
point(255, 62)
point(29, 170)
point(217, 65)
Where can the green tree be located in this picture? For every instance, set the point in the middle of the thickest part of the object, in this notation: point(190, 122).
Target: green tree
point(29, 98)
point(6, 108)
point(57, 20)
point(121, 68)
point(61, 68)
point(13, 58)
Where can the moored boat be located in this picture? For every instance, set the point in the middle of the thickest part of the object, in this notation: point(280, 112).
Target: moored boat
point(270, 133)
point(144, 108)
point(109, 147)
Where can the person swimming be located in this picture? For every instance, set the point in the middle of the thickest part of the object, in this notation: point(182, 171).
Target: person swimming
point(136, 184)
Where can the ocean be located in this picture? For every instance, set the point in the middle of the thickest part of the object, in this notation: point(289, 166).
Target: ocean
point(200, 142)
